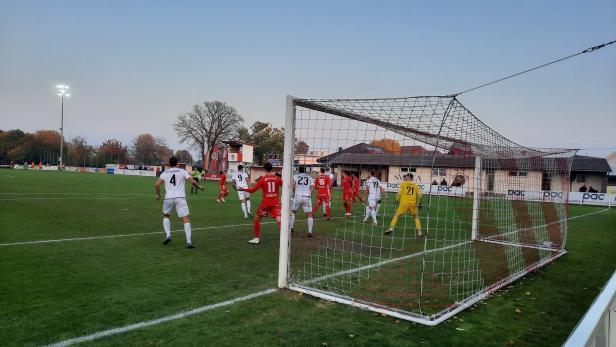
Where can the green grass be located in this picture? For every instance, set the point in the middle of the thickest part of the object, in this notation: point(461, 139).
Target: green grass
point(55, 291)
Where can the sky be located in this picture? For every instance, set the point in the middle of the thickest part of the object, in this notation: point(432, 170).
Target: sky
point(133, 66)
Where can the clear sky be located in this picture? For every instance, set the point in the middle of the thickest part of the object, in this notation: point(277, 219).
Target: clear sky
point(134, 65)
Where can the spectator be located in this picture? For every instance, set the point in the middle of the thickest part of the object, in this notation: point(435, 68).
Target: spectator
point(434, 183)
point(443, 182)
point(583, 189)
point(592, 190)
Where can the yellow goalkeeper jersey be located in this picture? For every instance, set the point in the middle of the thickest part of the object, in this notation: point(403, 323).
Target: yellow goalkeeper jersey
point(409, 193)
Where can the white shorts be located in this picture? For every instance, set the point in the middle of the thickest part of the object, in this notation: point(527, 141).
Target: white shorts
point(302, 201)
point(243, 195)
point(180, 204)
point(373, 200)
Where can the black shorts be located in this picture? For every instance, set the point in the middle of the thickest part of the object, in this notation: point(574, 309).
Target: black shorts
point(196, 179)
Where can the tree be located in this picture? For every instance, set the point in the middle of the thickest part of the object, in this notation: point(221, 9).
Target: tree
point(184, 156)
point(143, 148)
point(9, 140)
point(161, 151)
point(268, 141)
point(389, 145)
point(301, 147)
point(79, 152)
point(111, 151)
point(243, 135)
point(208, 125)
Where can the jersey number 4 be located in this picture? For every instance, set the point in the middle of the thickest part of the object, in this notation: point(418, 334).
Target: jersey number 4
point(172, 180)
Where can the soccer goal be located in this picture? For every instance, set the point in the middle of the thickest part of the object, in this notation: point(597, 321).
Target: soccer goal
point(491, 210)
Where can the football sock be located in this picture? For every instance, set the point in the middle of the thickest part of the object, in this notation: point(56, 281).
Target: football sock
point(367, 212)
point(310, 224)
point(248, 206)
point(244, 209)
point(328, 210)
point(292, 219)
point(257, 226)
point(188, 232)
point(373, 214)
point(167, 227)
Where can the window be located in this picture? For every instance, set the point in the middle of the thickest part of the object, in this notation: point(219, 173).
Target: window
point(518, 173)
point(439, 171)
point(407, 169)
point(580, 178)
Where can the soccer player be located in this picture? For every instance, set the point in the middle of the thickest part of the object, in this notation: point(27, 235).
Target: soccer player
point(347, 192)
point(302, 186)
point(240, 180)
point(408, 198)
point(356, 187)
point(323, 186)
point(270, 204)
point(223, 192)
point(373, 191)
point(175, 196)
point(195, 175)
point(331, 190)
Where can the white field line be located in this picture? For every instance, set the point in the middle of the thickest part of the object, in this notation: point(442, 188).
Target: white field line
point(19, 243)
point(140, 325)
point(121, 235)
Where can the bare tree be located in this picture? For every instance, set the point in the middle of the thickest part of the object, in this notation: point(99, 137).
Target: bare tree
point(208, 125)
point(184, 156)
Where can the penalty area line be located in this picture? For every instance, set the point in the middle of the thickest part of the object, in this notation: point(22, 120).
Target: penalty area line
point(140, 325)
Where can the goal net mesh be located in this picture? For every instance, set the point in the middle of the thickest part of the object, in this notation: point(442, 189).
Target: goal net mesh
point(491, 211)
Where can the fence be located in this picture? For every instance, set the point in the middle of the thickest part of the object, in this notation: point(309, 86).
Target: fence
point(598, 326)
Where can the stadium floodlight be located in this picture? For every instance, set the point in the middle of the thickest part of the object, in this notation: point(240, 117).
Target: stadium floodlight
point(491, 210)
point(62, 91)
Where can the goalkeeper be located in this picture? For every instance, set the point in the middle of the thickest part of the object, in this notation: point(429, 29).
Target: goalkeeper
point(408, 199)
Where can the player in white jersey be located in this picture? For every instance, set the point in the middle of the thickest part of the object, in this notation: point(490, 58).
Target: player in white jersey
point(240, 180)
point(331, 188)
point(303, 185)
point(175, 196)
point(373, 191)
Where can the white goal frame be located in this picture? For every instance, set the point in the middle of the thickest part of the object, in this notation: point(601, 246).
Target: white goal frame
point(284, 255)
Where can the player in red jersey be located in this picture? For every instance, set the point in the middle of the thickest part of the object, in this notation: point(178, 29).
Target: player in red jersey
point(270, 204)
point(224, 191)
point(347, 192)
point(323, 185)
point(356, 186)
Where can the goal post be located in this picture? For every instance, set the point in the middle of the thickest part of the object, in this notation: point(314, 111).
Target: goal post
point(287, 172)
point(478, 210)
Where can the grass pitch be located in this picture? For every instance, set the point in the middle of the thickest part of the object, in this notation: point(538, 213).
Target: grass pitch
point(60, 290)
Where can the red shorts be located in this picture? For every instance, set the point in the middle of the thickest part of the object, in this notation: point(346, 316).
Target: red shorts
point(356, 193)
point(346, 196)
point(271, 210)
point(322, 199)
point(223, 189)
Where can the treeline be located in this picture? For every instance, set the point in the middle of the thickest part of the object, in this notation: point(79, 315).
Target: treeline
point(44, 146)
point(205, 127)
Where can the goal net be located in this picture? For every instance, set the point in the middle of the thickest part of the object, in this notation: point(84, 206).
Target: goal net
point(488, 212)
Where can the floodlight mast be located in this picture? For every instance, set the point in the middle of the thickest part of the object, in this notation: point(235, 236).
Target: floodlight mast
point(62, 91)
